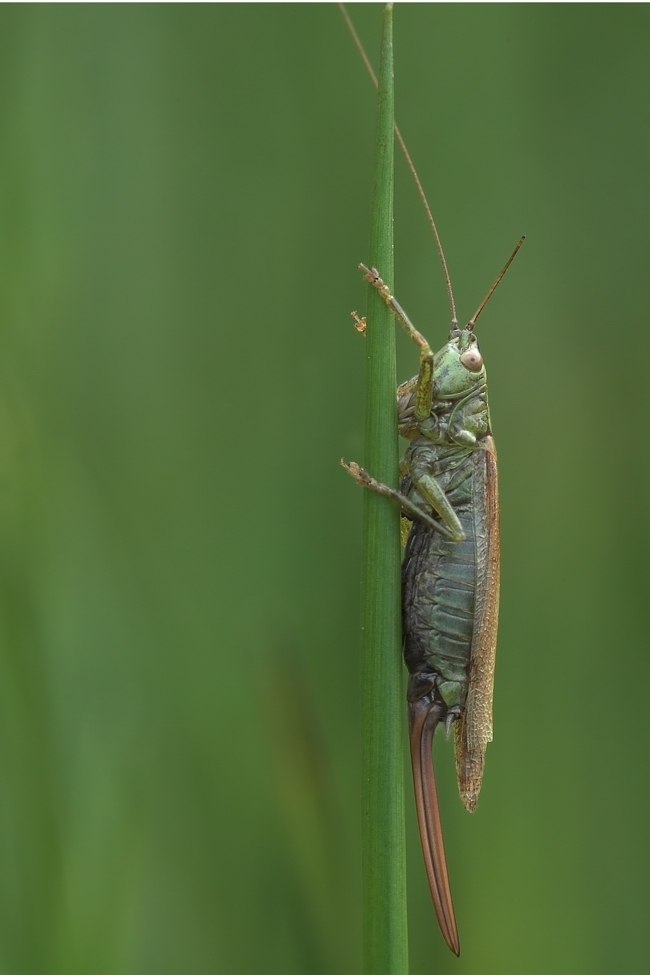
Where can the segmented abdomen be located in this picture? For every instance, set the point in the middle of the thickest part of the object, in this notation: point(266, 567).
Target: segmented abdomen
point(439, 585)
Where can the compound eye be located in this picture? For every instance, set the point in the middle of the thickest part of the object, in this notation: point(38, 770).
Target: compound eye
point(472, 360)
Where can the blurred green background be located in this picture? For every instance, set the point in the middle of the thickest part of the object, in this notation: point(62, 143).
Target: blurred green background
point(184, 197)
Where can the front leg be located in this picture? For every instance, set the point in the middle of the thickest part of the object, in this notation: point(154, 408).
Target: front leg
point(424, 392)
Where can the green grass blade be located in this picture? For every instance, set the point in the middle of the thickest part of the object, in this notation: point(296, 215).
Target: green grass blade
point(384, 873)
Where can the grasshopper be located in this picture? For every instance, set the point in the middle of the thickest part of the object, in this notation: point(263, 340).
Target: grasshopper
point(450, 570)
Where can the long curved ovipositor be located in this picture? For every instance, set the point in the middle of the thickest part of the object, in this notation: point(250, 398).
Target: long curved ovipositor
point(424, 716)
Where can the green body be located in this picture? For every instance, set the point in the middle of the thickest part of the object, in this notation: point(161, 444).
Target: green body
point(443, 476)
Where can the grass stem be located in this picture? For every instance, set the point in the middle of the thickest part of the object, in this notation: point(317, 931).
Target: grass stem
point(384, 871)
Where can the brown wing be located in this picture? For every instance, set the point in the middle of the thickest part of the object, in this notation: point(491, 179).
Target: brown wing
point(474, 730)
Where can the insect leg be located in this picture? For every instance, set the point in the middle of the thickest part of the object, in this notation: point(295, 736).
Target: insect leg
point(429, 489)
point(424, 393)
point(363, 478)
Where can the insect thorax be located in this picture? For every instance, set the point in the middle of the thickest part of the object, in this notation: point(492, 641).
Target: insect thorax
point(462, 420)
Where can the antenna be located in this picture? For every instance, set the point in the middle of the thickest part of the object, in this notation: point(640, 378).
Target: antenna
point(409, 162)
point(472, 322)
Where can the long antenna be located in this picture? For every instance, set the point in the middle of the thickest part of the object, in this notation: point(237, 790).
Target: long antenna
point(409, 162)
point(472, 322)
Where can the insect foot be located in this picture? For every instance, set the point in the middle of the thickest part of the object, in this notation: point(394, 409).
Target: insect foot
point(361, 477)
point(371, 275)
point(359, 323)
